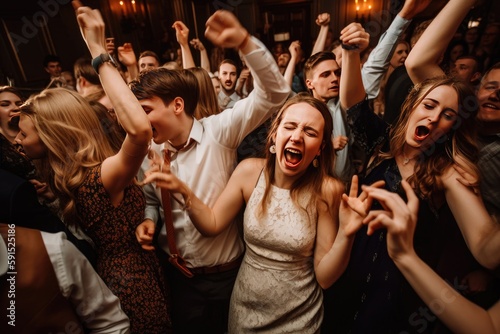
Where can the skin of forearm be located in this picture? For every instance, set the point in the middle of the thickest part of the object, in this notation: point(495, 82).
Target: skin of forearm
point(333, 264)
point(442, 299)
point(351, 90)
point(201, 215)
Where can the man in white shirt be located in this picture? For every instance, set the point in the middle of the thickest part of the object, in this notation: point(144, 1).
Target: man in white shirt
point(203, 155)
point(56, 288)
point(227, 75)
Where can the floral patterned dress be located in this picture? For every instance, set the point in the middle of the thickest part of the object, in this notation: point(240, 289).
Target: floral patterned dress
point(131, 273)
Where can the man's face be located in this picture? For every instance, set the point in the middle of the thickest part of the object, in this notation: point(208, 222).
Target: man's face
point(227, 77)
point(488, 97)
point(490, 36)
point(324, 80)
point(283, 59)
point(161, 117)
point(53, 68)
point(147, 63)
point(464, 69)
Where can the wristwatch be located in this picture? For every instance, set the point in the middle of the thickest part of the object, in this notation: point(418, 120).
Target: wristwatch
point(102, 58)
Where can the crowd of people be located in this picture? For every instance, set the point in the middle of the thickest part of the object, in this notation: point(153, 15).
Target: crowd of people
point(352, 190)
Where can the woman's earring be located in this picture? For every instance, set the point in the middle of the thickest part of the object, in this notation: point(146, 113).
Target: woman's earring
point(316, 162)
point(272, 149)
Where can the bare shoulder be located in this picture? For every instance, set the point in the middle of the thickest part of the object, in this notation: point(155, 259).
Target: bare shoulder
point(247, 174)
point(250, 166)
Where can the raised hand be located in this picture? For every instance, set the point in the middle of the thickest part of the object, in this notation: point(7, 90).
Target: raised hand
point(223, 29)
point(126, 55)
point(323, 19)
point(92, 28)
point(355, 37)
point(353, 208)
point(160, 174)
point(197, 44)
point(398, 217)
point(181, 32)
point(295, 50)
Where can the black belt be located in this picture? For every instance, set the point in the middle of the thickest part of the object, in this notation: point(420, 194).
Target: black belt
point(220, 268)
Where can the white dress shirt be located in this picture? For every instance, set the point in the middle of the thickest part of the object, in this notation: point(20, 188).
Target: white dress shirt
point(96, 306)
point(376, 65)
point(372, 72)
point(207, 165)
point(227, 101)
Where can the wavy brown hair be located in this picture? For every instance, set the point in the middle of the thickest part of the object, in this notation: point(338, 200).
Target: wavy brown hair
point(207, 103)
point(312, 180)
point(457, 147)
point(75, 142)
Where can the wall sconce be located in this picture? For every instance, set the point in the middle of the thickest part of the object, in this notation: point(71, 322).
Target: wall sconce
point(474, 23)
point(128, 6)
point(131, 15)
point(362, 7)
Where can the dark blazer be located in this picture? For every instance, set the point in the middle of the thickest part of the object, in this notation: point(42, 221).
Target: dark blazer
point(19, 205)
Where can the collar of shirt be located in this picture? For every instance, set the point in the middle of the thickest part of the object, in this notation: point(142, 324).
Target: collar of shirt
point(195, 134)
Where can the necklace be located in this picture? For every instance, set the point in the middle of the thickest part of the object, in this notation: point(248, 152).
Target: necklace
point(406, 161)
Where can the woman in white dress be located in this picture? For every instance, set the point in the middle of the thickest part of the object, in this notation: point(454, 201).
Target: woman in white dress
point(295, 244)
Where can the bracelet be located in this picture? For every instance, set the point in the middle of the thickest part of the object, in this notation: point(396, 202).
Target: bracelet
point(245, 41)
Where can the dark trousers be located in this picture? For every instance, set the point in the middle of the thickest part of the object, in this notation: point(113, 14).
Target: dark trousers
point(200, 304)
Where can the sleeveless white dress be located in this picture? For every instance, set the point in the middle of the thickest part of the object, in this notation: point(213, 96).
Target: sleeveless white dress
point(276, 290)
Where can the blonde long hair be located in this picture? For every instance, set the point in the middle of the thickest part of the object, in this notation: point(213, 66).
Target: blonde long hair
point(75, 141)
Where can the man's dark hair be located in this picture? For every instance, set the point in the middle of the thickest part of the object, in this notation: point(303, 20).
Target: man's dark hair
point(50, 59)
point(148, 53)
point(167, 85)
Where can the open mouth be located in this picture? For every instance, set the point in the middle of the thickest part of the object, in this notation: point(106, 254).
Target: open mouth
point(421, 132)
point(292, 157)
point(490, 106)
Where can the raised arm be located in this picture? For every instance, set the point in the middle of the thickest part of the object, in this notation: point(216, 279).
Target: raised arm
point(126, 56)
point(378, 62)
point(354, 40)
point(323, 21)
point(295, 52)
point(270, 88)
point(211, 221)
point(423, 60)
point(182, 35)
point(119, 170)
point(458, 313)
point(204, 60)
point(480, 231)
point(338, 222)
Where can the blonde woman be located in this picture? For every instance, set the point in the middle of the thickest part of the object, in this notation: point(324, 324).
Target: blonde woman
point(96, 187)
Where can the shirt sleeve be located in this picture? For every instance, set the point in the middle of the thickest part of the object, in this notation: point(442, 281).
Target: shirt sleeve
point(96, 306)
point(270, 91)
point(375, 67)
point(152, 201)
